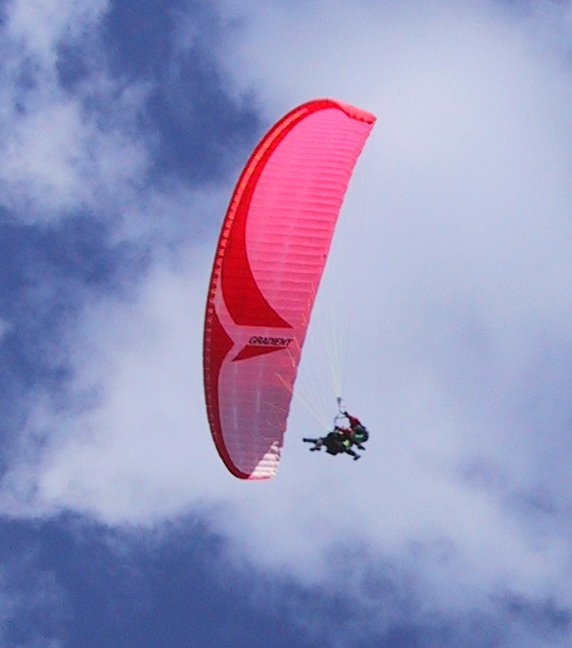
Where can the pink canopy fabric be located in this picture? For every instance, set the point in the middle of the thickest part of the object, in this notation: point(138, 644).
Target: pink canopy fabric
point(269, 260)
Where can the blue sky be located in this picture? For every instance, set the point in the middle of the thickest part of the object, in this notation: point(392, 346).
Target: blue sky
point(124, 127)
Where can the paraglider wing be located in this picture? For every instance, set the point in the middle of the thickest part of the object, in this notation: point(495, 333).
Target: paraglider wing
point(269, 260)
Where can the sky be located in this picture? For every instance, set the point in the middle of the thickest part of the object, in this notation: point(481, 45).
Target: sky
point(124, 127)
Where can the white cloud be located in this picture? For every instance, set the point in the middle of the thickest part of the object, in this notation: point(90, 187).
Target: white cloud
point(33, 604)
point(133, 455)
point(41, 27)
point(457, 231)
point(63, 151)
point(4, 328)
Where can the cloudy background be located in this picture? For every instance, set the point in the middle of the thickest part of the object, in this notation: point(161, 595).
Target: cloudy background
point(124, 126)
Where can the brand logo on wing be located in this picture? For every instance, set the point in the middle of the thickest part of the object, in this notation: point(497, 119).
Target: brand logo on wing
point(258, 345)
point(260, 340)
